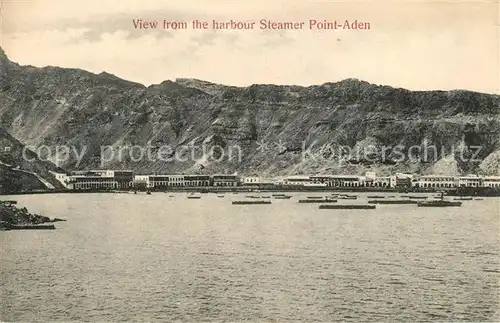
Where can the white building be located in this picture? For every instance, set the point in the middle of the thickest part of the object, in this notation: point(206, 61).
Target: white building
point(97, 179)
point(435, 181)
point(403, 180)
point(161, 180)
point(297, 180)
point(491, 181)
point(470, 181)
point(225, 180)
point(370, 176)
point(251, 180)
point(62, 178)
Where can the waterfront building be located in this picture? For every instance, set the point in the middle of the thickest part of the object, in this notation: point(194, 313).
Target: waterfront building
point(250, 180)
point(258, 181)
point(196, 180)
point(159, 181)
point(86, 180)
point(96, 179)
point(141, 181)
point(374, 181)
point(470, 181)
point(336, 180)
point(492, 181)
point(225, 180)
point(322, 179)
point(435, 181)
point(345, 180)
point(385, 181)
point(368, 180)
point(403, 180)
point(124, 178)
point(62, 178)
point(297, 180)
point(370, 176)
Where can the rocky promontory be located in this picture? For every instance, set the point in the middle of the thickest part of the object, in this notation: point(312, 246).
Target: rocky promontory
point(10, 215)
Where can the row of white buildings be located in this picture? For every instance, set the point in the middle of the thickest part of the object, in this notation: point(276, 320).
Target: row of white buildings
point(370, 179)
point(123, 179)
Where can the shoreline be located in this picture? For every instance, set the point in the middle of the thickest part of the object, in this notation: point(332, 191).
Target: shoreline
point(466, 191)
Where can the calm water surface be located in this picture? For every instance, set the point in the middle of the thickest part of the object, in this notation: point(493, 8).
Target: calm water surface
point(161, 258)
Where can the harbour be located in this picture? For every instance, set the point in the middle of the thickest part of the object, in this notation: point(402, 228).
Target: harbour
point(247, 256)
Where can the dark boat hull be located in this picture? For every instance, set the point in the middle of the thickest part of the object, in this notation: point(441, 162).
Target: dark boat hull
point(250, 202)
point(348, 207)
point(392, 202)
point(317, 201)
point(434, 204)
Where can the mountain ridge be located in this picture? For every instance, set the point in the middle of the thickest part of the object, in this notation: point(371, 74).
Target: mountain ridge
point(87, 111)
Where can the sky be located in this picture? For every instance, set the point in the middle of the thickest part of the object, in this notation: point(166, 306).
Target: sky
point(418, 45)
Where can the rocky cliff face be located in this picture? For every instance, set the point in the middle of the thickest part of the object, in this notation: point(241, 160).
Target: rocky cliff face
point(21, 169)
point(194, 126)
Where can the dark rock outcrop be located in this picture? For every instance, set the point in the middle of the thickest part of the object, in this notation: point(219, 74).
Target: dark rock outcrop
point(12, 215)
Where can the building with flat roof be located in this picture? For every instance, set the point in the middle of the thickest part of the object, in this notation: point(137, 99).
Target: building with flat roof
point(435, 181)
point(197, 180)
point(96, 179)
point(492, 181)
point(225, 180)
point(470, 181)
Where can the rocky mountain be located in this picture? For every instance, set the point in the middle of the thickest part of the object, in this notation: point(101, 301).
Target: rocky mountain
point(81, 120)
point(21, 169)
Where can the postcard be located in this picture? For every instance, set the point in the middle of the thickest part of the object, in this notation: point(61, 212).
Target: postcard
point(249, 161)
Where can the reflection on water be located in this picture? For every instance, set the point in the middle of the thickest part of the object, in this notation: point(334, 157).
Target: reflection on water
point(156, 257)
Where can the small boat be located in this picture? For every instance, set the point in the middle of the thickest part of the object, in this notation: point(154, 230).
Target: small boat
point(220, 196)
point(417, 197)
point(347, 207)
point(266, 197)
point(251, 202)
point(376, 197)
point(478, 199)
point(148, 192)
point(315, 197)
point(463, 198)
point(252, 197)
point(193, 196)
point(392, 202)
point(170, 196)
point(348, 197)
point(282, 197)
point(278, 195)
point(319, 201)
point(439, 203)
